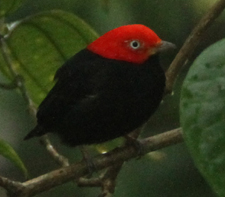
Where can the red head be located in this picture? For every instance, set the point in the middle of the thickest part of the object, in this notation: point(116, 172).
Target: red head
point(131, 43)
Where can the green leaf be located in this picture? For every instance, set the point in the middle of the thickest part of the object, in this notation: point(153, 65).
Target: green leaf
point(109, 145)
point(9, 6)
point(42, 43)
point(202, 114)
point(8, 152)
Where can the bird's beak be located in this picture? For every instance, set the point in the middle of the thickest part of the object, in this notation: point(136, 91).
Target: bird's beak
point(162, 46)
point(165, 46)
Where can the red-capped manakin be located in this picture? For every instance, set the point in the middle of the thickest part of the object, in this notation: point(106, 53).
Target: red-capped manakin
point(106, 90)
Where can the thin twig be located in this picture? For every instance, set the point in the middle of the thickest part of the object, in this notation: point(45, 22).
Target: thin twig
point(20, 83)
point(6, 56)
point(106, 181)
point(192, 42)
point(109, 180)
point(92, 182)
point(23, 90)
point(60, 159)
point(17, 78)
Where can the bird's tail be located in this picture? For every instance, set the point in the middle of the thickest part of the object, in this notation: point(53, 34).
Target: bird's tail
point(37, 131)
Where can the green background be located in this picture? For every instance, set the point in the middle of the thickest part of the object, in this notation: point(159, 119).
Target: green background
point(170, 173)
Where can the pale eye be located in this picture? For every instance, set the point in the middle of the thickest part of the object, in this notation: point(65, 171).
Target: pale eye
point(135, 44)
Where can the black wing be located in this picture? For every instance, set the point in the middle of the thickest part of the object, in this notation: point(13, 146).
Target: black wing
point(73, 84)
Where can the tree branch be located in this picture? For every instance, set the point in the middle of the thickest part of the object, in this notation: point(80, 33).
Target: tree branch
point(10, 185)
point(18, 82)
point(192, 42)
point(60, 159)
point(114, 157)
point(109, 180)
point(106, 181)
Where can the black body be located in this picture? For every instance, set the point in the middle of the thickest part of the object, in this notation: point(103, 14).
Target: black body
point(97, 99)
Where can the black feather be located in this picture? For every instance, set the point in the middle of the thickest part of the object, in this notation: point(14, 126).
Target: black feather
point(97, 99)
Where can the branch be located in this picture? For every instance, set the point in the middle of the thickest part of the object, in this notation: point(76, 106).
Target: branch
point(192, 42)
point(18, 82)
point(10, 185)
point(109, 180)
point(114, 157)
point(60, 159)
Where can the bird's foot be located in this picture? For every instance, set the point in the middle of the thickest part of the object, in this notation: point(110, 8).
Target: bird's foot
point(136, 143)
point(88, 160)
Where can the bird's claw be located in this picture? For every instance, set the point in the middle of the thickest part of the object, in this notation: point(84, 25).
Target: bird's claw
point(136, 143)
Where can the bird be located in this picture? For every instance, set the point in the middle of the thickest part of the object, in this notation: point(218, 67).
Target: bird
point(106, 90)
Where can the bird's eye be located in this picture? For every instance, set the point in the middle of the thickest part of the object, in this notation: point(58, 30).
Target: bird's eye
point(135, 44)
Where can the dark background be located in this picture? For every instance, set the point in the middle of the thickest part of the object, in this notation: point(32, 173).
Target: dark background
point(168, 173)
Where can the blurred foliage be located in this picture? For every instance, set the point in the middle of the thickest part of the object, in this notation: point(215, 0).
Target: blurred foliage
point(9, 6)
point(47, 40)
point(173, 175)
point(8, 152)
point(203, 112)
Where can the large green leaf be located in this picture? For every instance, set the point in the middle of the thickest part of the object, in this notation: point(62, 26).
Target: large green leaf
point(202, 111)
point(8, 6)
point(41, 43)
point(8, 152)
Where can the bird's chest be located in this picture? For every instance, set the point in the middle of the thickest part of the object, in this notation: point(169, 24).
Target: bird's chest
point(133, 85)
point(126, 86)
